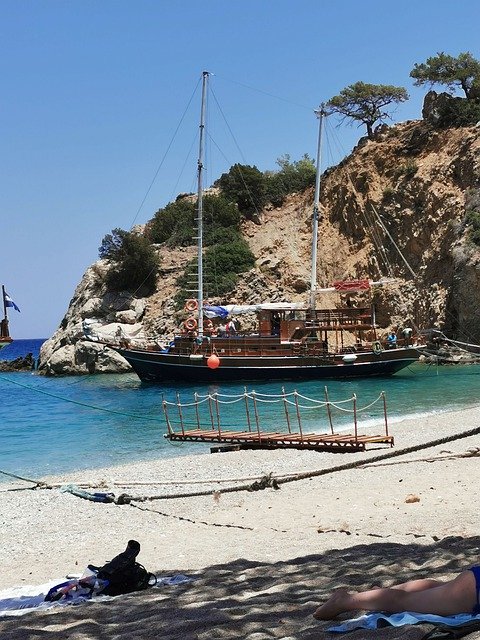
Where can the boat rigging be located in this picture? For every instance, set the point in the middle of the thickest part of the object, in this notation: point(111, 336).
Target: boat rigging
point(291, 340)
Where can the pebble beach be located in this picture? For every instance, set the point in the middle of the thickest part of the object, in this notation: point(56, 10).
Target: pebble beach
point(260, 561)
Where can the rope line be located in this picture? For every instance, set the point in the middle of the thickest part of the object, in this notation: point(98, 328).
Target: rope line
point(126, 499)
point(319, 472)
point(77, 402)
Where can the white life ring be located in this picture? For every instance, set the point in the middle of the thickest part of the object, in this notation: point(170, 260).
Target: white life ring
point(377, 347)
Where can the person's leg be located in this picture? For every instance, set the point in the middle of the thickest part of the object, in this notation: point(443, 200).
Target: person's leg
point(448, 598)
point(418, 585)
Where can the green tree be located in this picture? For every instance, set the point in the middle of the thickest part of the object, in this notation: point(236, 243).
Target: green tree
point(462, 71)
point(174, 223)
point(222, 264)
point(366, 102)
point(245, 185)
point(292, 177)
point(134, 262)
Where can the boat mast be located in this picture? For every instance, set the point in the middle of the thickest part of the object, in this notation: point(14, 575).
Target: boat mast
point(320, 113)
point(4, 323)
point(200, 204)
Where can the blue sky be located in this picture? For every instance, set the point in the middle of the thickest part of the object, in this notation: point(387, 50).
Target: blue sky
point(93, 91)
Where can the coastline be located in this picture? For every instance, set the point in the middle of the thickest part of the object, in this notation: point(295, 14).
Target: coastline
point(48, 534)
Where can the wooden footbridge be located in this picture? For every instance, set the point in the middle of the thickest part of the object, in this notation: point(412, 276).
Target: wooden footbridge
point(200, 421)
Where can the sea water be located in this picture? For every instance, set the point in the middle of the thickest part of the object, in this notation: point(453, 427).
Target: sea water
point(53, 425)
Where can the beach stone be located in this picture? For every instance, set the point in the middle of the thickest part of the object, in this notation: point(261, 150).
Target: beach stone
point(411, 498)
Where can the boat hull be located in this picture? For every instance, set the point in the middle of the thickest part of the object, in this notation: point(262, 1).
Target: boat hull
point(164, 367)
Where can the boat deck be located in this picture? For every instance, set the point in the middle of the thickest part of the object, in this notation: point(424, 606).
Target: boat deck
point(267, 440)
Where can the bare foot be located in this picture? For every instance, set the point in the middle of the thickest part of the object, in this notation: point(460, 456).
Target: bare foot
point(335, 605)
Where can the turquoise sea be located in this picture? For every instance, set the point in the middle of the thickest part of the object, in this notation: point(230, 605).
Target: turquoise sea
point(51, 425)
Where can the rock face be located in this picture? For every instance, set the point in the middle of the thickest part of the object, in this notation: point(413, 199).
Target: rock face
point(417, 181)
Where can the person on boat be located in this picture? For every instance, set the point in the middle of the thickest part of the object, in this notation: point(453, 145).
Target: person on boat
point(442, 598)
point(392, 340)
point(230, 327)
point(275, 324)
point(407, 335)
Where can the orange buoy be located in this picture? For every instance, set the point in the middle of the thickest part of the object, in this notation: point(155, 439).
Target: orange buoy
point(213, 361)
point(190, 324)
point(191, 305)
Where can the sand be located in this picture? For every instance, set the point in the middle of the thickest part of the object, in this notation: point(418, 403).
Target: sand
point(261, 560)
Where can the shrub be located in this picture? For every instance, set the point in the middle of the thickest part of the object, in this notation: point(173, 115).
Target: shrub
point(173, 224)
point(222, 264)
point(472, 222)
point(458, 112)
point(388, 195)
point(292, 177)
point(176, 223)
point(134, 263)
point(408, 170)
point(246, 186)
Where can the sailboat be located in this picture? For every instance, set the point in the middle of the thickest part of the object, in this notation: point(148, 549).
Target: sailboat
point(5, 338)
point(291, 341)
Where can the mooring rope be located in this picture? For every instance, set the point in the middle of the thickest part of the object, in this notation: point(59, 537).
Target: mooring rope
point(269, 479)
point(125, 499)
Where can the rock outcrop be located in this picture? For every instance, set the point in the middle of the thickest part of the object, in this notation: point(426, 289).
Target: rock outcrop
point(415, 180)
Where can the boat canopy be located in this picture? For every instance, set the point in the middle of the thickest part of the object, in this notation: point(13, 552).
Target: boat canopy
point(339, 286)
point(213, 311)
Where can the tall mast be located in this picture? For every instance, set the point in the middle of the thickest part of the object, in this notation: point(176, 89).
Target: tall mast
point(200, 203)
point(4, 323)
point(320, 113)
point(4, 303)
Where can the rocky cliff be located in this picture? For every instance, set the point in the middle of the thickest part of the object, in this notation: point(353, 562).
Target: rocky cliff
point(400, 199)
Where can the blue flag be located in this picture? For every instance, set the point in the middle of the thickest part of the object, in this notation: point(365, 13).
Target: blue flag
point(10, 303)
point(213, 311)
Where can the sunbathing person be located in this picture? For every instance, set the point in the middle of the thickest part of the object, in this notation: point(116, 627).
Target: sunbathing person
point(460, 595)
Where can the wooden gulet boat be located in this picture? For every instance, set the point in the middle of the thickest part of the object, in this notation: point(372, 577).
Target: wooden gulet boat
point(292, 341)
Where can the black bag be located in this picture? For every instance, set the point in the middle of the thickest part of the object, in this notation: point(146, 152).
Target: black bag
point(447, 632)
point(124, 574)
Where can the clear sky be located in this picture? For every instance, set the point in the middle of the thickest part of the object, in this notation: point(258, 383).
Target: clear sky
point(92, 92)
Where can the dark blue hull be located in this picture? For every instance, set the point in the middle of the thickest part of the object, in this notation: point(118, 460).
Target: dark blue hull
point(167, 367)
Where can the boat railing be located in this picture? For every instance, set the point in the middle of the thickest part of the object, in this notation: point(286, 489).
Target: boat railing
point(340, 318)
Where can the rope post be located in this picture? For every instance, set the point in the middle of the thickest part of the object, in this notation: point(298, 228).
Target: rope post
point(179, 407)
point(211, 412)
point(196, 410)
point(167, 420)
point(329, 411)
point(218, 416)
point(256, 415)
point(247, 410)
point(355, 415)
point(286, 410)
point(385, 411)
point(298, 415)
